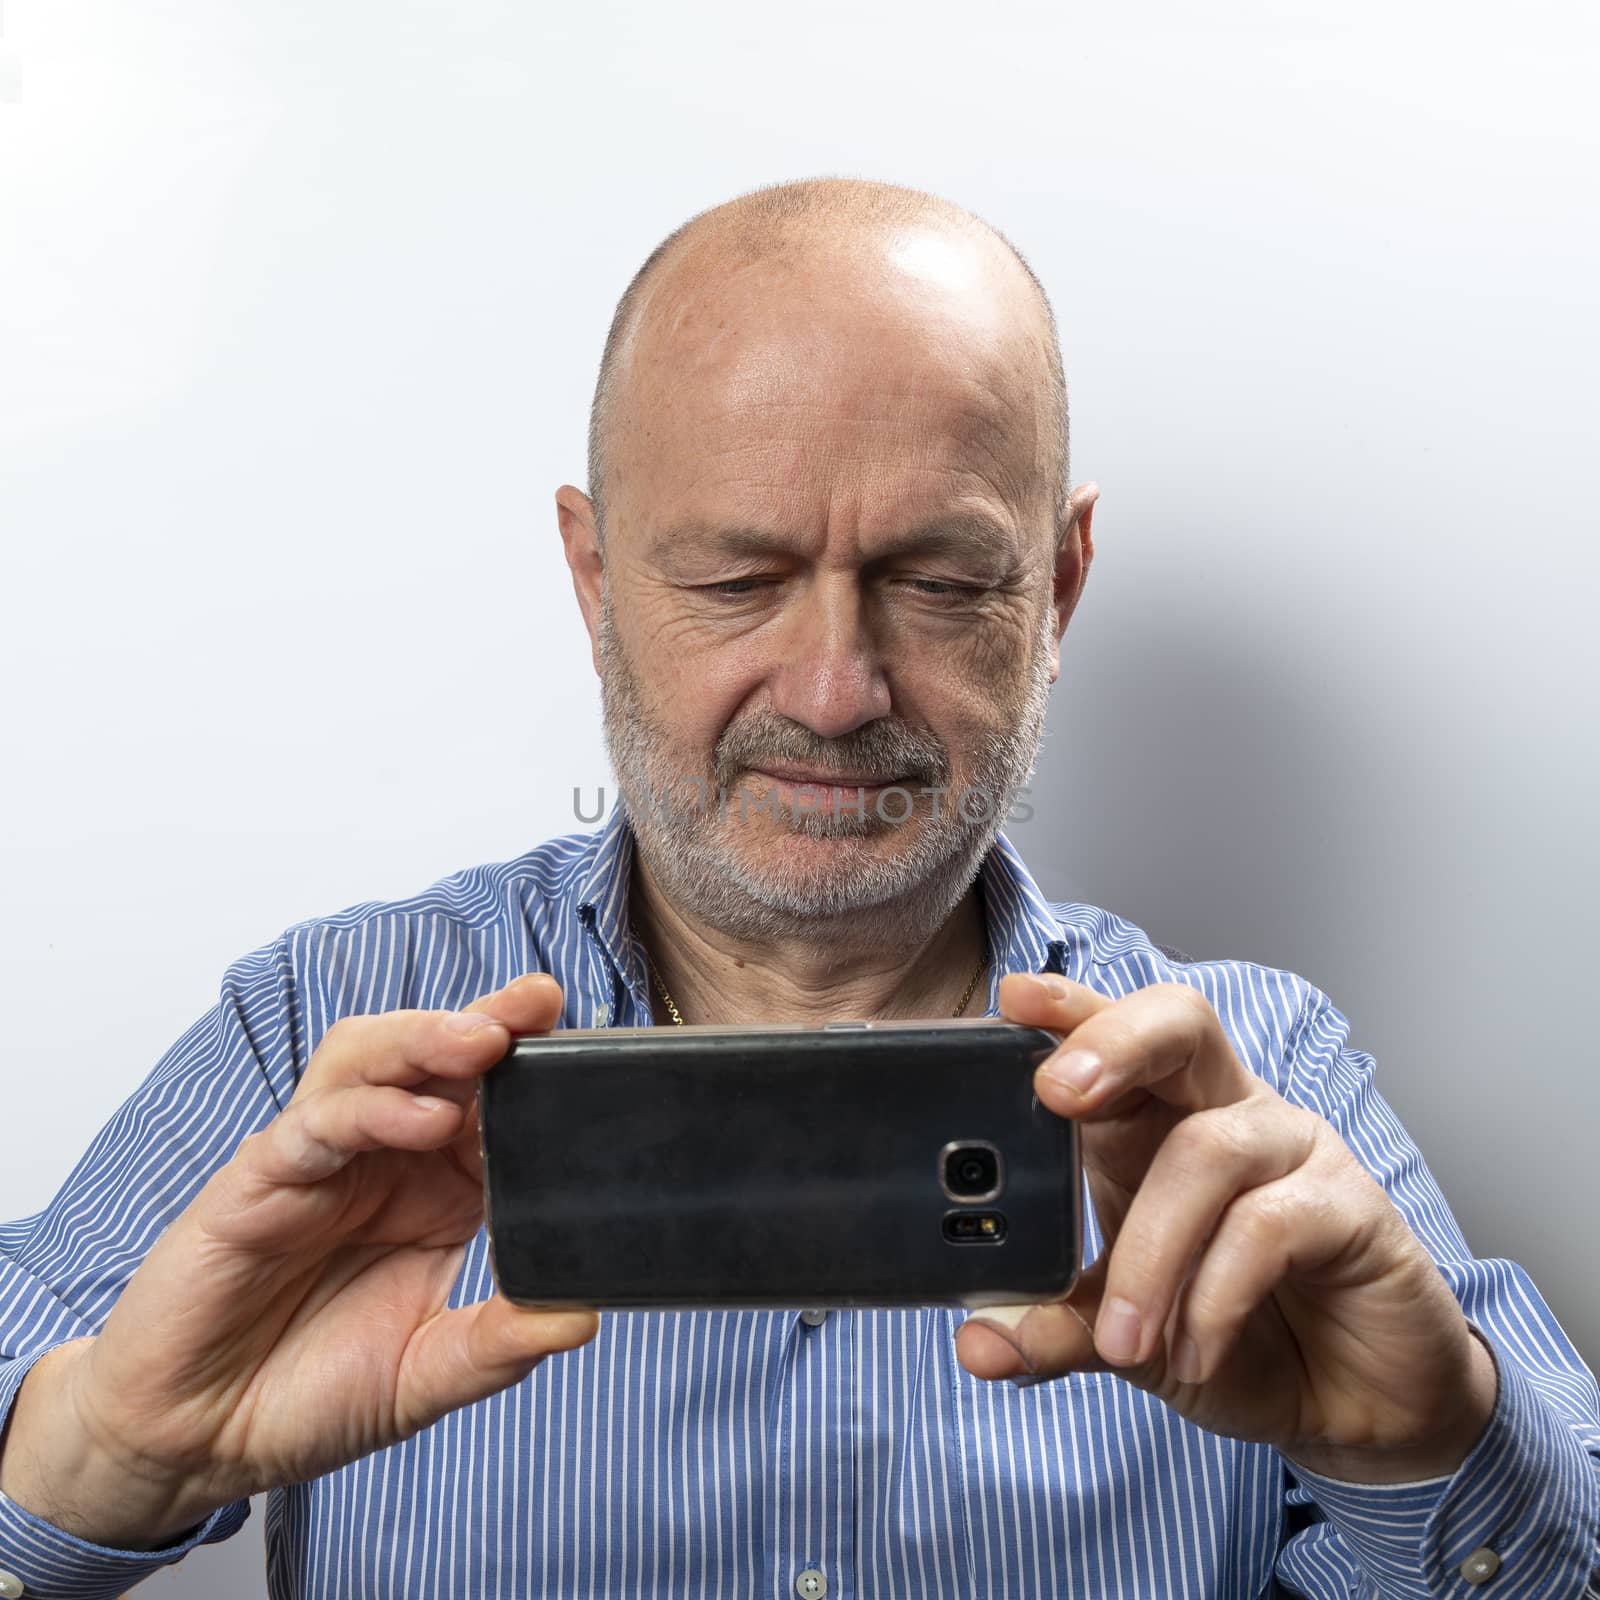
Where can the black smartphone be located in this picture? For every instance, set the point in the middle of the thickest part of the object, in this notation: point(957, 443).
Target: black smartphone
point(833, 1165)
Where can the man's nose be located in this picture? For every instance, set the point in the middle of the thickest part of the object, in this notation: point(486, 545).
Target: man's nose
point(830, 673)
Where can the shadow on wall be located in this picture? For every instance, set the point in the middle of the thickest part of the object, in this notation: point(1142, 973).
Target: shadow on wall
point(1210, 790)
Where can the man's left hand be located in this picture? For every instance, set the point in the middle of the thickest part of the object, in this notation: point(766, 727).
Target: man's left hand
point(1255, 1277)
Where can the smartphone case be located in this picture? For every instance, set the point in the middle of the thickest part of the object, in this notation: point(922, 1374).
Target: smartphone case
point(788, 1166)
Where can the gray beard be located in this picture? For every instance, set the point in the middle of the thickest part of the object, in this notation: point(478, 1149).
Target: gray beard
point(863, 895)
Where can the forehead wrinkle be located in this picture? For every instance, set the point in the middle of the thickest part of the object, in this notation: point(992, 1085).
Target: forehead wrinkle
point(982, 424)
point(961, 410)
point(957, 533)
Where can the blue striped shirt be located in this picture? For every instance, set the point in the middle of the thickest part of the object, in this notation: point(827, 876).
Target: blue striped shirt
point(724, 1453)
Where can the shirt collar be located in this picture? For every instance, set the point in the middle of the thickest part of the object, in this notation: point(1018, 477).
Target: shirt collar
point(603, 903)
point(1025, 934)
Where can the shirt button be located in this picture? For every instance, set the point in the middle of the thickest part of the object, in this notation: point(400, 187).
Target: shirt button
point(814, 1319)
point(810, 1585)
point(10, 1586)
point(1480, 1566)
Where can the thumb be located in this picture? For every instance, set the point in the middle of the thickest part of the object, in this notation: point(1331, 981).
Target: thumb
point(1036, 1340)
point(462, 1356)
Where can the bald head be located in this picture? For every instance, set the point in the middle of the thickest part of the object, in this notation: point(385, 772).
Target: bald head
point(876, 248)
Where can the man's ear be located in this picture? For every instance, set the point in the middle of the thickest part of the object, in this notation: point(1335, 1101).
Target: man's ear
point(575, 514)
point(1073, 558)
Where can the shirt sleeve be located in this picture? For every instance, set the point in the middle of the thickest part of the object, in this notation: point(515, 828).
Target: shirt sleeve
point(1520, 1518)
point(62, 1270)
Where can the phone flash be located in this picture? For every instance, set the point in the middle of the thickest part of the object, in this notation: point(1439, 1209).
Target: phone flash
point(974, 1227)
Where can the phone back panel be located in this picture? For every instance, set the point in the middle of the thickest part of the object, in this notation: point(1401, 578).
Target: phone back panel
point(798, 1167)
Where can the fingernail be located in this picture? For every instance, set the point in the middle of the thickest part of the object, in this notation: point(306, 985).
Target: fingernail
point(1006, 1319)
point(1032, 1381)
point(1116, 1331)
point(469, 1021)
point(1078, 1070)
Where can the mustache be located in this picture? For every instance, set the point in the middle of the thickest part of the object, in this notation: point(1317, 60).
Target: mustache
point(886, 746)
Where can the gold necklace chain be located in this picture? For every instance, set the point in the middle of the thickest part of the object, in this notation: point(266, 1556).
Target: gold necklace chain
point(677, 1016)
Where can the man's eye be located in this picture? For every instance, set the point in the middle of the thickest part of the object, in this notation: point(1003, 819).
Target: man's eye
point(733, 588)
point(940, 589)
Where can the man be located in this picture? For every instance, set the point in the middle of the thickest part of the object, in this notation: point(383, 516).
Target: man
point(829, 553)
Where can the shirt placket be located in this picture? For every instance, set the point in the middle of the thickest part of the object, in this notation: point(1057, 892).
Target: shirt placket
point(811, 1517)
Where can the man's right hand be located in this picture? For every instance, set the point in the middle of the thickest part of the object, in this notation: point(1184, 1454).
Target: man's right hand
point(293, 1318)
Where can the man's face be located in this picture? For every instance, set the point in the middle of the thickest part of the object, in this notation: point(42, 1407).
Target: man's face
point(828, 567)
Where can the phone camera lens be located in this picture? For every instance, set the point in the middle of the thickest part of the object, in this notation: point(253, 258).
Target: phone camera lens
point(971, 1170)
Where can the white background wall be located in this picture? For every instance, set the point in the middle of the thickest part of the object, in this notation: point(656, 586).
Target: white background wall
point(300, 309)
